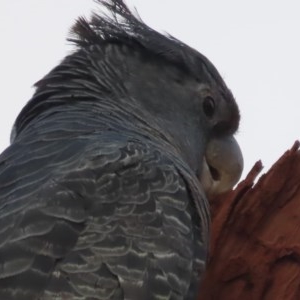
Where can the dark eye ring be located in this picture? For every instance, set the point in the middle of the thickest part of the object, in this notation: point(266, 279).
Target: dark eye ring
point(209, 106)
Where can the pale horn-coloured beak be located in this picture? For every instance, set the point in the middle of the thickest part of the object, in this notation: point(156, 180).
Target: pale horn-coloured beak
point(222, 166)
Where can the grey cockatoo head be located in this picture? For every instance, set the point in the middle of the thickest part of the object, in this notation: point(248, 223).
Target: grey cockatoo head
point(165, 88)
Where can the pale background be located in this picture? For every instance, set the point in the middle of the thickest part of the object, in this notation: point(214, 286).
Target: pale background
point(254, 44)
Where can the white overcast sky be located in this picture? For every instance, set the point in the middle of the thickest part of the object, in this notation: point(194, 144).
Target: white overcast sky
point(254, 44)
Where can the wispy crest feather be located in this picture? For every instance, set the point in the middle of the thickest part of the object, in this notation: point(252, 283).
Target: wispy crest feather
point(123, 26)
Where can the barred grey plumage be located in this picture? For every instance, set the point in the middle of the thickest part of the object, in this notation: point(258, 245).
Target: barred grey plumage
point(100, 195)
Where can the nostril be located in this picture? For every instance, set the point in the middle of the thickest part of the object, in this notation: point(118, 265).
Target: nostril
point(215, 174)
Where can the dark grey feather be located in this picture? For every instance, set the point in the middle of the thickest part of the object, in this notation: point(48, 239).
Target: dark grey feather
point(112, 218)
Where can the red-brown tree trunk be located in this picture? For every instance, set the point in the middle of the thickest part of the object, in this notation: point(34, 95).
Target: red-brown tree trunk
point(255, 246)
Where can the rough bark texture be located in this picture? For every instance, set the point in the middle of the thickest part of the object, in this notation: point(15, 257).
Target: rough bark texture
point(255, 246)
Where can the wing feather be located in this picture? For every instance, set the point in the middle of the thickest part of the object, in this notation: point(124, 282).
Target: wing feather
point(97, 220)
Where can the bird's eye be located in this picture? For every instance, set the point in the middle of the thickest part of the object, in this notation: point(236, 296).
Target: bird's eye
point(209, 106)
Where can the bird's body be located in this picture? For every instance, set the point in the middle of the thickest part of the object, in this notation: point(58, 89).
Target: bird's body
point(99, 205)
point(99, 190)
